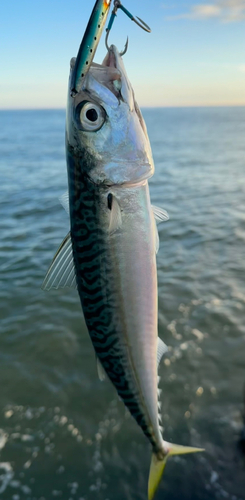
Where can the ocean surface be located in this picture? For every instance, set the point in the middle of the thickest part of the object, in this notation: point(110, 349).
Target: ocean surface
point(63, 433)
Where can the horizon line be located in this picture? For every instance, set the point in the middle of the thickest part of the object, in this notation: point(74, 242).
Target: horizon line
point(165, 106)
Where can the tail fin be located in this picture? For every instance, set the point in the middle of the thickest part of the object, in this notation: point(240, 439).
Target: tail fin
point(157, 466)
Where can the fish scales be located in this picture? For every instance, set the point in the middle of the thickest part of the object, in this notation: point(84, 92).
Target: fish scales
point(111, 248)
point(97, 265)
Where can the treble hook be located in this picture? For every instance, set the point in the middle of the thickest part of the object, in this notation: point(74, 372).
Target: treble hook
point(137, 20)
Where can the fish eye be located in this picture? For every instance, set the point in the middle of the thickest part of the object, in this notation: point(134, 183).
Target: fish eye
point(90, 116)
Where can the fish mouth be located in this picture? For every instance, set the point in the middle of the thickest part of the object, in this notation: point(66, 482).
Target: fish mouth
point(108, 73)
point(111, 58)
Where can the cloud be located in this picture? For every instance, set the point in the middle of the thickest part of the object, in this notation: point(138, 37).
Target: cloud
point(224, 10)
point(204, 11)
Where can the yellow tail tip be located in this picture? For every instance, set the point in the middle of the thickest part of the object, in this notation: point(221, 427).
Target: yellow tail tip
point(156, 472)
point(157, 466)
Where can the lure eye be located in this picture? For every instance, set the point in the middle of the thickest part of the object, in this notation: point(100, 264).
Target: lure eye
point(90, 116)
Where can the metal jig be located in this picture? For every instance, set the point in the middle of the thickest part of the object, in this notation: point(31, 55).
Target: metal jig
point(137, 20)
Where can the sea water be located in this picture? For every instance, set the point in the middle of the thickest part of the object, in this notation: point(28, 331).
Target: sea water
point(63, 433)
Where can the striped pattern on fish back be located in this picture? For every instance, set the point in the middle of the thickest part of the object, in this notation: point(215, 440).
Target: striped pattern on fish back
point(96, 288)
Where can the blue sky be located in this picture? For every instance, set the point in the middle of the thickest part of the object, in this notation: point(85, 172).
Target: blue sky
point(194, 56)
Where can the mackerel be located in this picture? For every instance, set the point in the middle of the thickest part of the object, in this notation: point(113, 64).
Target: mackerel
point(110, 252)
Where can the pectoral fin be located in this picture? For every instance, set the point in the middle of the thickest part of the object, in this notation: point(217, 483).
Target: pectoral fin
point(115, 220)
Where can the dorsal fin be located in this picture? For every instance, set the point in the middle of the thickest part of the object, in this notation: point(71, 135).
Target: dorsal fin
point(100, 370)
point(61, 271)
point(64, 200)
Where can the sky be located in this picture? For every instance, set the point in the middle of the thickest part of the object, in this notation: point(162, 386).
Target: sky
point(194, 56)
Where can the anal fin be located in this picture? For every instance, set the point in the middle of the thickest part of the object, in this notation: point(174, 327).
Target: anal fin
point(162, 348)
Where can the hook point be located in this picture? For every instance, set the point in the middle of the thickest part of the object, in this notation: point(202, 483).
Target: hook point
point(106, 39)
point(143, 25)
point(125, 48)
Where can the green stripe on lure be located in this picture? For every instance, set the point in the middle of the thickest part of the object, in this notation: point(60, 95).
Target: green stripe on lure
point(92, 37)
point(89, 43)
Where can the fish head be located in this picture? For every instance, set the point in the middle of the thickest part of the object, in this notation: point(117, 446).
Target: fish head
point(105, 129)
